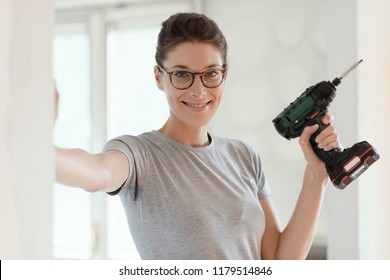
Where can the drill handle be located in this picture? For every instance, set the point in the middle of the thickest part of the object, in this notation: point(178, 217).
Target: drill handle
point(323, 155)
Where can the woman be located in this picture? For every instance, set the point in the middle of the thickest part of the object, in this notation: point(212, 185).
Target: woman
point(189, 194)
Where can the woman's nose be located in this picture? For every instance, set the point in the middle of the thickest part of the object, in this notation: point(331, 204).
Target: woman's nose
point(197, 88)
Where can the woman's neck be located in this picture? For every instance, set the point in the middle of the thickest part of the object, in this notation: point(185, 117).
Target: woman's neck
point(192, 136)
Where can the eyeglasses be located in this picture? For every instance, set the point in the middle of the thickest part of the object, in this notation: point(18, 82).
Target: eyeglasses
point(211, 78)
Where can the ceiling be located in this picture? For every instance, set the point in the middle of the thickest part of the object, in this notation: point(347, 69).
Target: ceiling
point(73, 4)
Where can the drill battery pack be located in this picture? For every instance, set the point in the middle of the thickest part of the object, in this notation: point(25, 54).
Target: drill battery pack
point(344, 167)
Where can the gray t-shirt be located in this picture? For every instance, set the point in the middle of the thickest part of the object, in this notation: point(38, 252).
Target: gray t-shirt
point(186, 202)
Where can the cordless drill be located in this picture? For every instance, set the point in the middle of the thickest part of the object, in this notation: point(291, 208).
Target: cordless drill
point(308, 109)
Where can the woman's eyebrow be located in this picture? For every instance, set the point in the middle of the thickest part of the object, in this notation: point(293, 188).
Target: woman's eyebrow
point(188, 68)
point(180, 66)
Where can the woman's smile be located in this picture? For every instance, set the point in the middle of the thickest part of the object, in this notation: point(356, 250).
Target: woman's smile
point(197, 107)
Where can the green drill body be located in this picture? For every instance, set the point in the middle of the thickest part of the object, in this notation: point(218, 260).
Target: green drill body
point(308, 109)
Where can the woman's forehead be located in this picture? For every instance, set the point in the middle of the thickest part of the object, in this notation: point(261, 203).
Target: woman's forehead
point(190, 54)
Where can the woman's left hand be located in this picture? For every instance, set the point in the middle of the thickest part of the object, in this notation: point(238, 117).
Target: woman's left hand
point(326, 140)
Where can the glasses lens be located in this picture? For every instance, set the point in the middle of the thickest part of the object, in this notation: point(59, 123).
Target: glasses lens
point(182, 79)
point(212, 78)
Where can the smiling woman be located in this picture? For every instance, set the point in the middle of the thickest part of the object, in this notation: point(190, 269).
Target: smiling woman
point(183, 187)
point(194, 96)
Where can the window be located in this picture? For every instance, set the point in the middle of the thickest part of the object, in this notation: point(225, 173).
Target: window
point(72, 208)
point(104, 96)
point(131, 82)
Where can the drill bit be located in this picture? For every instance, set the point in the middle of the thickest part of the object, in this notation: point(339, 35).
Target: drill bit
point(349, 70)
point(337, 81)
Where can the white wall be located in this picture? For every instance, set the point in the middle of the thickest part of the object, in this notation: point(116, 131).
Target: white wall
point(279, 48)
point(26, 153)
point(358, 217)
point(374, 102)
point(343, 208)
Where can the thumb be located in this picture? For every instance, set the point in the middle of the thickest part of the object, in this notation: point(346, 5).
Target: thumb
point(304, 142)
point(307, 133)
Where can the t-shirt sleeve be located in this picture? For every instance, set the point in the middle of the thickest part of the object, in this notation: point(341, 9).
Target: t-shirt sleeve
point(253, 165)
point(132, 148)
point(264, 189)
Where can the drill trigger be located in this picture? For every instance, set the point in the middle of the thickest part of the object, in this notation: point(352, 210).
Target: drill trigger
point(314, 115)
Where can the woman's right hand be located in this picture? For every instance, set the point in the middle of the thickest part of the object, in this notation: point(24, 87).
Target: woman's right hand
point(56, 102)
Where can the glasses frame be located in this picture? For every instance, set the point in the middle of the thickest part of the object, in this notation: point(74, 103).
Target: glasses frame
point(193, 74)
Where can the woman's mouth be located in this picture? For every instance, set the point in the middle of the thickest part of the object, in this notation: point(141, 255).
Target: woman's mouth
point(197, 107)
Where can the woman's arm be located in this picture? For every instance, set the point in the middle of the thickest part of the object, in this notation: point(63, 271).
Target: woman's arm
point(295, 240)
point(105, 171)
point(92, 172)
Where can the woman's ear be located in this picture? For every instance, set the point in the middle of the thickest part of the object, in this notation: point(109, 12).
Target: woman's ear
point(158, 78)
point(226, 70)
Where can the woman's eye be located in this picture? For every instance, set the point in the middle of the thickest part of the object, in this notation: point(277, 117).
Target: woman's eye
point(210, 74)
point(182, 74)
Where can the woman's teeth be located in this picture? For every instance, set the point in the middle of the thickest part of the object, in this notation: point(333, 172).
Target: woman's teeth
point(197, 105)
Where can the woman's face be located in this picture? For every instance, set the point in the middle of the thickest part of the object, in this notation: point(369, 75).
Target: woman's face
point(195, 106)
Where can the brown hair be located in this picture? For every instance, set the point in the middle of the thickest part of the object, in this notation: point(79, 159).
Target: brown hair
point(189, 27)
